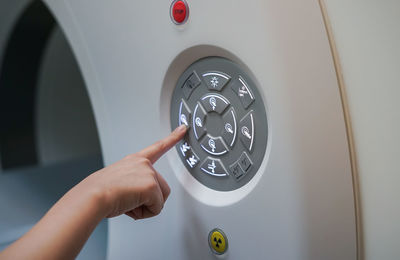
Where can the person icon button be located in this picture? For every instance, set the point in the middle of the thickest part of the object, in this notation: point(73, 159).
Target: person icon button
point(246, 131)
point(199, 118)
point(214, 103)
point(228, 132)
point(214, 145)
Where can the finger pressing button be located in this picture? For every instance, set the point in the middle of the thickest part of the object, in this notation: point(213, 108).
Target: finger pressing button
point(184, 113)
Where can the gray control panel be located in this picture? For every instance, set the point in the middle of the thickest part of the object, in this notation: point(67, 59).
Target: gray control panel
point(227, 139)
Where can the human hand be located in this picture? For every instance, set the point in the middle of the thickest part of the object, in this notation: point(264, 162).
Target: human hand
point(131, 185)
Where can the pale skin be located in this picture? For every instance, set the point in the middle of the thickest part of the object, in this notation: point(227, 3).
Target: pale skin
point(130, 186)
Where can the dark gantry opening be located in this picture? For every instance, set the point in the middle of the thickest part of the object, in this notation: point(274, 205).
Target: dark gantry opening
point(49, 139)
point(18, 79)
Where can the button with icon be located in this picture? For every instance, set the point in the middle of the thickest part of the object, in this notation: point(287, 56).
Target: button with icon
point(218, 241)
point(184, 114)
point(229, 127)
point(236, 171)
point(188, 154)
point(245, 162)
point(242, 90)
point(246, 131)
point(214, 145)
point(213, 167)
point(199, 118)
point(191, 83)
point(214, 103)
point(216, 80)
point(192, 160)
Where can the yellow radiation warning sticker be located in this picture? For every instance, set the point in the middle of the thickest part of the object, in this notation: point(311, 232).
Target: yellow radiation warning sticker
point(218, 241)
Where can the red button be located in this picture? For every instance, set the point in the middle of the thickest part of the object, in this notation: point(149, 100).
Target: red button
point(179, 11)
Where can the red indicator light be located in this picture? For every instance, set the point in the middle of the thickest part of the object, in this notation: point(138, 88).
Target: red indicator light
point(179, 12)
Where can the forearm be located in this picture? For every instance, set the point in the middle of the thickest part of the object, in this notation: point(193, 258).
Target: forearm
point(130, 186)
point(63, 231)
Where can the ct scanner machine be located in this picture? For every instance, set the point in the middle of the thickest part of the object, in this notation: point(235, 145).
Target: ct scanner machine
point(293, 145)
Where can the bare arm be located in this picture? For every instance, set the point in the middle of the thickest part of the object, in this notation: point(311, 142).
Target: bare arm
point(131, 186)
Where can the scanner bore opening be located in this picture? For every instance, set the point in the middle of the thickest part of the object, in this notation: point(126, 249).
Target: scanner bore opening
point(48, 135)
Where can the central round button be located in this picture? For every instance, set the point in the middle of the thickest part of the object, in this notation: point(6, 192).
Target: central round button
point(214, 124)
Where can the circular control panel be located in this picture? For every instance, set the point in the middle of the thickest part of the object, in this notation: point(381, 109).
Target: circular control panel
point(227, 136)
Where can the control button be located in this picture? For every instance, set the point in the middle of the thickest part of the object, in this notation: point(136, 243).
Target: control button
point(213, 167)
point(216, 80)
point(214, 146)
point(192, 82)
point(199, 118)
point(179, 12)
point(243, 91)
point(185, 149)
point(184, 114)
point(246, 130)
point(229, 129)
point(192, 160)
point(190, 157)
point(237, 171)
point(218, 241)
point(214, 102)
point(245, 162)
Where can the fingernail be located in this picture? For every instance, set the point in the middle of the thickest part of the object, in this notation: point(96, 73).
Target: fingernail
point(182, 128)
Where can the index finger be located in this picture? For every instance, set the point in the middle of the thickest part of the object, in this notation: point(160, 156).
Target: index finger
point(156, 150)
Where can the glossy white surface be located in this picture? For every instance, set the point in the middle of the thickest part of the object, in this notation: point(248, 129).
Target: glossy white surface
point(367, 37)
point(302, 205)
point(64, 118)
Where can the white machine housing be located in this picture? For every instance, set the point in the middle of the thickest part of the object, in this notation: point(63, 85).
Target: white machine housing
point(303, 203)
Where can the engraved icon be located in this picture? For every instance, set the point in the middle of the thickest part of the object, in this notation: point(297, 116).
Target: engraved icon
point(211, 143)
point(190, 83)
point(198, 122)
point(213, 103)
point(184, 120)
point(184, 148)
point(191, 161)
point(246, 132)
point(228, 128)
point(214, 82)
point(212, 166)
point(243, 91)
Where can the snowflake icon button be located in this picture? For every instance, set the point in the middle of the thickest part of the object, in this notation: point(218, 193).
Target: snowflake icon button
point(216, 80)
